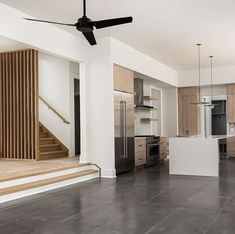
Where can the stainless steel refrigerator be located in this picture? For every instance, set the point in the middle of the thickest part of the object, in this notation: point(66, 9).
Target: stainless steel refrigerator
point(124, 131)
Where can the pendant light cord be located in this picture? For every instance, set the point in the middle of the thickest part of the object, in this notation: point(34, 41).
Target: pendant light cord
point(199, 72)
point(211, 57)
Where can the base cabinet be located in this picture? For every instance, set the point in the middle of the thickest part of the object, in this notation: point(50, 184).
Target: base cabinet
point(140, 151)
point(164, 148)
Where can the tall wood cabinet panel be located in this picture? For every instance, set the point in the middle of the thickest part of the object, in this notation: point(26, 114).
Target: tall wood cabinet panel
point(19, 105)
point(231, 147)
point(123, 79)
point(231, 103)
point(188, 114)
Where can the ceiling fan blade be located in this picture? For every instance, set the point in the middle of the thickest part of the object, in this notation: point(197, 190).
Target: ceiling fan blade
point(90, 37)
point(50, 22)
point(112, 22)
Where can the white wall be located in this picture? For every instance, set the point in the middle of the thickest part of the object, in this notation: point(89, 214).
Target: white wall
point(56, 87)
point(169, 111)
point(221, 75)
point(128, 57)
point(44, 37)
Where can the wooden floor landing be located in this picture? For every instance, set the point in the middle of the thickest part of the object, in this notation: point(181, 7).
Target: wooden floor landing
point(13, 169)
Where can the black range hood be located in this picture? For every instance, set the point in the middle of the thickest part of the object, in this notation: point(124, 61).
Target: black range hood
point(139, 95)
point(144, 107)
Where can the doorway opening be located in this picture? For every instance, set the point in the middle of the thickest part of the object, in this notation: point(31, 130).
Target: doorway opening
point(219, 120)
point(77, 124)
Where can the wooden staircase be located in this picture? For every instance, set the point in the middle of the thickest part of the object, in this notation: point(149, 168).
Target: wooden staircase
point(49, 146)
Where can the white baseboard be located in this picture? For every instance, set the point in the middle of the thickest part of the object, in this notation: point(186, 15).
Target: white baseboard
point(108, 173)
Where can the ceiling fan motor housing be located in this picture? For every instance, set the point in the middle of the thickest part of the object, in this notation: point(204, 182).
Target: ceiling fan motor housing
point(84, 24)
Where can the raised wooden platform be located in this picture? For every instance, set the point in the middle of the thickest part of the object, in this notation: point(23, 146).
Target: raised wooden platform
point(14, 169)
point(24, 178)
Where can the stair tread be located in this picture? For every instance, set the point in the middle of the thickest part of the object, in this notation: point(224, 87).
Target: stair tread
point(49, 145)
point(39, 183)
point(46, 138)
point(43, 171)
point(53, 152)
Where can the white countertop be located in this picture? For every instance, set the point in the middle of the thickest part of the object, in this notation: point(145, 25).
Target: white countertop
point(209, 137)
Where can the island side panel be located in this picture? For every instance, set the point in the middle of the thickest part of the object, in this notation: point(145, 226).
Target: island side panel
point(194, 156)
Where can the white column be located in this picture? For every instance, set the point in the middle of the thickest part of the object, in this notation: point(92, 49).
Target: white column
point(83, 113)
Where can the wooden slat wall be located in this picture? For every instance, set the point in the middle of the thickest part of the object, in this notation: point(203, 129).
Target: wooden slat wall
point(19, 136)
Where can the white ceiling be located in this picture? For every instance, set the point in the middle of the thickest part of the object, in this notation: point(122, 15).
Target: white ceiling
point(9, 45)
point(164, 29)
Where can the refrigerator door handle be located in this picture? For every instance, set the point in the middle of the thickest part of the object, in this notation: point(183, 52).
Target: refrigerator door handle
point(122, 120)
point(125, 137)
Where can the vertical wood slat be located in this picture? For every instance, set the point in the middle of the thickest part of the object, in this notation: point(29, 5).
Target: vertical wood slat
point(19, 129)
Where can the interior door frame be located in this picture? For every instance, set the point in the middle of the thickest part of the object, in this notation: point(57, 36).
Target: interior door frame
point(73, 77)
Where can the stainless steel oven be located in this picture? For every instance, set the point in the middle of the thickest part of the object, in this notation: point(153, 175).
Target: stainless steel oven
point(152, 150)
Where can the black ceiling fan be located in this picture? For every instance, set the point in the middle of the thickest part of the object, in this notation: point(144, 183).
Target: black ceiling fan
point(86, 25)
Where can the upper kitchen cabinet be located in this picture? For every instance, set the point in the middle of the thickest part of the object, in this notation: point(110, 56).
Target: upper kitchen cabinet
point(231, 89)
point(231, 103)
point(123, 79)
point(188, 113)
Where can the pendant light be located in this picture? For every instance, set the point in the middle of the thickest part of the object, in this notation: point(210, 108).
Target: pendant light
point(199, 79)
point(211, 105)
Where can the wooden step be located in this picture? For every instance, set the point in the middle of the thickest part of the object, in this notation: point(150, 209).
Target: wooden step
point(49, 147)
point(40, 183)
point(46, 141)
point(43, 135)
point(42, 171)
point(53, 154)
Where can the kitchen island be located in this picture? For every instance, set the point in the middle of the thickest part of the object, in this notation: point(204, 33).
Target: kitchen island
point(195, 155)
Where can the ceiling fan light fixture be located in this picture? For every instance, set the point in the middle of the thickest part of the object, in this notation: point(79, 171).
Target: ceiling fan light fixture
point(86, 25)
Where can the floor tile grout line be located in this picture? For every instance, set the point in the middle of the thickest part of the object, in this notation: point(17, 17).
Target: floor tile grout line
point(217, 215)
point(162, 220)
point(157, 195)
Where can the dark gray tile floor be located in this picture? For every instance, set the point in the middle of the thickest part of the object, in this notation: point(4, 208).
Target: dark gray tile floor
point(147, 201)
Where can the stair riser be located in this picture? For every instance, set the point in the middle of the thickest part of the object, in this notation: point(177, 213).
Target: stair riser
point(53, 156)
point(25, 193)
point(10, 183)
point(43, 134)
point(51, 148)
point(46, 142)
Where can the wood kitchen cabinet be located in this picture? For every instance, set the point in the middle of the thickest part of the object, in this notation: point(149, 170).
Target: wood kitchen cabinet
point(188, 114)
point(164, 148)
point(123, 79)
point(231, 147)
point(231, 103)
point(140, 151)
